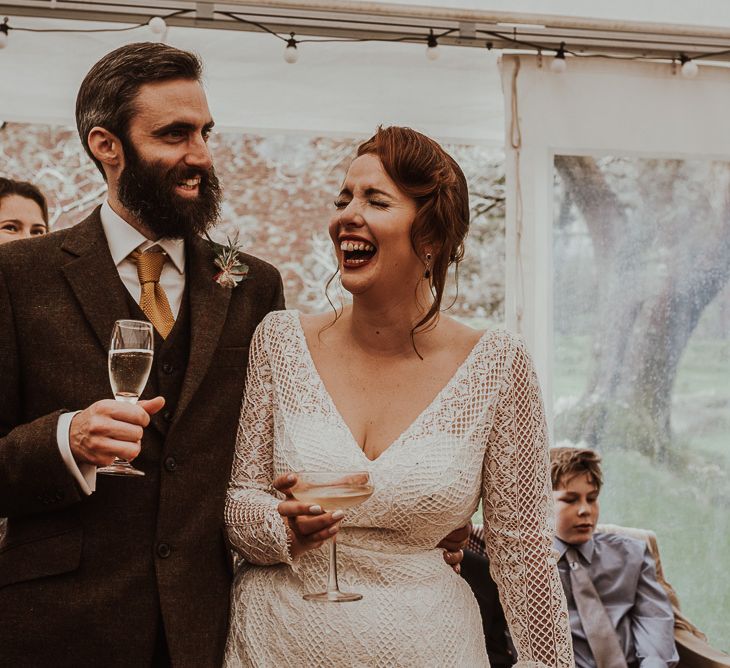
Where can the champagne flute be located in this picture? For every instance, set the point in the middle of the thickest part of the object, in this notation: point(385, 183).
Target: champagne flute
point(130, 362)
point(333, 490)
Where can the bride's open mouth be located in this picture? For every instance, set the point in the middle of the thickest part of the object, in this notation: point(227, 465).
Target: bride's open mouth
point(356, 253)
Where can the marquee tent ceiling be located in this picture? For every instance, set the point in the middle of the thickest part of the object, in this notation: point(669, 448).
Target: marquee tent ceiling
point(339, 88)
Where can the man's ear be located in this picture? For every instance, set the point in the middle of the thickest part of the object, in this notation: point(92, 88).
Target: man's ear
point(106, 147)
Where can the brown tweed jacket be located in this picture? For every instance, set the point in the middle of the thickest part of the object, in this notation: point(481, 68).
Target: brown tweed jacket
point(84, 581)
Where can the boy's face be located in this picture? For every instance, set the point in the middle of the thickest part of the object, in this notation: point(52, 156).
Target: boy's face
point(576, 509)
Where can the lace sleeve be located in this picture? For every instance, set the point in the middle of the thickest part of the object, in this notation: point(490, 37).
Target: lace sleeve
point(254, 526)
point(517, 503)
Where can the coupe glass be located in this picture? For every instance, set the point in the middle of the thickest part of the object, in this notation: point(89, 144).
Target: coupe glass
point(333, 490)
point(130, 361)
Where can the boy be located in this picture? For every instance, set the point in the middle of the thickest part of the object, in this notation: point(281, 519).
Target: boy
point(619, 614)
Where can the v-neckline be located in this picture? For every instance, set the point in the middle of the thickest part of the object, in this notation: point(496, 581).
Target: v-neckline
point(438, 397)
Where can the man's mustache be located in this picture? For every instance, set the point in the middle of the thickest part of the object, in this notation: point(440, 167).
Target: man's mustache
point(183, 173)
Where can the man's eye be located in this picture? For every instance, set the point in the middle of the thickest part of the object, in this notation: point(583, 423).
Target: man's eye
point(176, 134)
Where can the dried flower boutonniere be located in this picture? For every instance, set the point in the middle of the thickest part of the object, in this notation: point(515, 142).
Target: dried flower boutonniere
point(227, 259)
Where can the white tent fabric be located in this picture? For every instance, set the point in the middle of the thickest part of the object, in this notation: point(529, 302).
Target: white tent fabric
point(340, 89)
point(715, 13)
point(597, 107)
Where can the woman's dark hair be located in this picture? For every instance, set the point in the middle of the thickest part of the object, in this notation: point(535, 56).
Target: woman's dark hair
point(423, 171)
point(27, 190)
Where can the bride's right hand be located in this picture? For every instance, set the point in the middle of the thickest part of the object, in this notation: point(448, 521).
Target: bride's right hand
point(308, 526)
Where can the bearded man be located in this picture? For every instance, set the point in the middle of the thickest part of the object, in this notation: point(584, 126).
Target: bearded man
point(106, 570)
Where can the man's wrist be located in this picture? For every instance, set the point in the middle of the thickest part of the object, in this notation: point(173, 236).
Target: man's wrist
point(83, 473)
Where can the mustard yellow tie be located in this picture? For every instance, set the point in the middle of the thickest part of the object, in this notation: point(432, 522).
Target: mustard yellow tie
point(153, 301)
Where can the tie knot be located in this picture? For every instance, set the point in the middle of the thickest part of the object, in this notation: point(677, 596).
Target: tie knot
point(149, 265)
point(573, 558)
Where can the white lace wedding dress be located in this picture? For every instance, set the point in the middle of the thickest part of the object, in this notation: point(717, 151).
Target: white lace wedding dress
point(482, 436)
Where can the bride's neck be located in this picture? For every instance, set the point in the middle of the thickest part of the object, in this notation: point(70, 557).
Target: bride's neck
point(386, 329)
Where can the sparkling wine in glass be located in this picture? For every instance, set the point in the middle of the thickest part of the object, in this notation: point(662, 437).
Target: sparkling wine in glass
point(130, 362)
point(333, 490)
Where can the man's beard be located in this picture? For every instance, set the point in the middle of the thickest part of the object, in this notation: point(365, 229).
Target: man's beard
point(147, 191)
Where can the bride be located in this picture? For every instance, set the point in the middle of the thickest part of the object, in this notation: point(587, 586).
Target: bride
point(439, 414)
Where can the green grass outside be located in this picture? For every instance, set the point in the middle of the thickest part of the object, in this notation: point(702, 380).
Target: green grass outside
point(692, 528)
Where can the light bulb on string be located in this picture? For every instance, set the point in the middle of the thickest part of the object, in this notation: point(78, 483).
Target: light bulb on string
point(291, 55)
point(558, 64)
point(4, 29)
point(689, 67)
point(432, 46)
point(158, 27)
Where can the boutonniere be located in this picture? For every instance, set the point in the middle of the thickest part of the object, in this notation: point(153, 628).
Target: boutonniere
point(228, 260)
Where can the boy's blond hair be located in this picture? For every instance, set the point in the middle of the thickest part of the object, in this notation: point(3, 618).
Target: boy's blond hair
point(566, 463)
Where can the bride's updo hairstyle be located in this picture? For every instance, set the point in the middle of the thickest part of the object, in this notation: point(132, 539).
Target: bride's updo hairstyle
point(426, 173)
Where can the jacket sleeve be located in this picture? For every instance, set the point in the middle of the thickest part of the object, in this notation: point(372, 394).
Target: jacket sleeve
point(33, 475)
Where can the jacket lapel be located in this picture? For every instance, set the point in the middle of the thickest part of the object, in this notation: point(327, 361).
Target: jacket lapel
point(94, 278)
point(208, 309)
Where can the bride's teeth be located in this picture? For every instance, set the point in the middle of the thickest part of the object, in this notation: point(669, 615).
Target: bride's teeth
point(346, 245)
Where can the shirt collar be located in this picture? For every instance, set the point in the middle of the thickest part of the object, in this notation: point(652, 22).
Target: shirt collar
point(586, 549)
point(123, 239)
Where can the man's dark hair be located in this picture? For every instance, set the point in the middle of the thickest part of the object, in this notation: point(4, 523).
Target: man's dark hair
point(27, 190)
point(108, 94)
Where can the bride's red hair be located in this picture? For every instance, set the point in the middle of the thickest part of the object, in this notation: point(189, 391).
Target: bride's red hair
point(425, 172)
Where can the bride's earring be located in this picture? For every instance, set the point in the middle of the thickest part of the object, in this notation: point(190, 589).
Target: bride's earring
point(427, 273)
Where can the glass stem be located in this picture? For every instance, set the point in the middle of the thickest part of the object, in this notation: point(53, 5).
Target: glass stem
point(332, 586)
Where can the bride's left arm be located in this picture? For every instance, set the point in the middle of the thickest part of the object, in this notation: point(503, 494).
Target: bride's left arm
point(253, 524)
point(517, 503)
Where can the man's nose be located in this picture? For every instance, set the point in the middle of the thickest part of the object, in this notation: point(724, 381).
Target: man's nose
point(199, 155)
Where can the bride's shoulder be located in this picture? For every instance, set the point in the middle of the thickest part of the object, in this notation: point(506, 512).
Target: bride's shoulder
point(484, 343)
point(456, 334)
point(310, 321)
point(276, 323)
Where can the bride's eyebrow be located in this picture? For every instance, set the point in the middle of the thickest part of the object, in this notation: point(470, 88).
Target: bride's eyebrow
point(376, 191)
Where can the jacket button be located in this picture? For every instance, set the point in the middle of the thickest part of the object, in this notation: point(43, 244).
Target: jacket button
point(167, 415)
point(168, 368)
point(163, 550)
point(170, 464)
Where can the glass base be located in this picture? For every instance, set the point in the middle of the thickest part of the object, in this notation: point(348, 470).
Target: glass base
point(119, 467)
point(332, 597)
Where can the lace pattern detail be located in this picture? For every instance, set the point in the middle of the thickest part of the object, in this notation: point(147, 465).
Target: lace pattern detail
point(483, 436)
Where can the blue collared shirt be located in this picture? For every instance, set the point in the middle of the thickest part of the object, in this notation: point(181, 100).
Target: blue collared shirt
point(624, 575)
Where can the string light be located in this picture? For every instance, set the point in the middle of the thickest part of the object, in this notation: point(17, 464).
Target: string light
point(558, 64)
point(291, 55)
point(4, 33)
point(432, 46)
point(157, 26)
point(689, 67)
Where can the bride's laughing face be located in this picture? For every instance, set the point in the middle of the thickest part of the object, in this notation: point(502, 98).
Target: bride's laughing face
point(371, 230)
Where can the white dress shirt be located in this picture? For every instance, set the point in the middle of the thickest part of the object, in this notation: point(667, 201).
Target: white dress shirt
point(123, 239)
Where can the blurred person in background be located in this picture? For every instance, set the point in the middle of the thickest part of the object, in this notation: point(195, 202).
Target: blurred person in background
point(23, 211)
